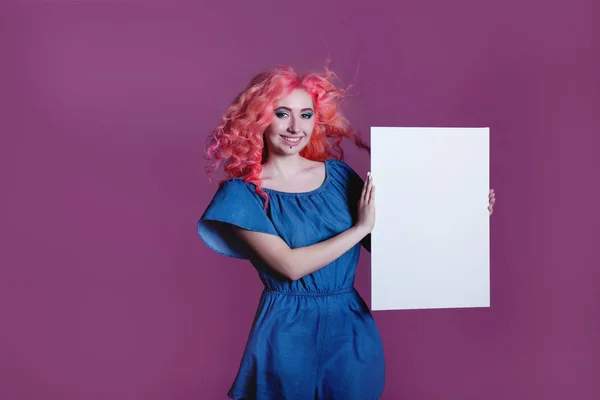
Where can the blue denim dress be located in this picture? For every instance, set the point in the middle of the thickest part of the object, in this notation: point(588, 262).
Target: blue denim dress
point(313, 338)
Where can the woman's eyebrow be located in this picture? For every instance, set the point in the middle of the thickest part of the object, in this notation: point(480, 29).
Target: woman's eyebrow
point(289, 109)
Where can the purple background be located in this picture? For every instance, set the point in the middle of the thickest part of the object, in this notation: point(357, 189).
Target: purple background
point(106, 292)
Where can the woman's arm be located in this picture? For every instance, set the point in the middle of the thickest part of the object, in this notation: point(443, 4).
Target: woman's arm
point(297, 263)
point(302, 261)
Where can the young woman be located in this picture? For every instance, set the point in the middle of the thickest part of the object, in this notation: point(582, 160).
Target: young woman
point(299, 214)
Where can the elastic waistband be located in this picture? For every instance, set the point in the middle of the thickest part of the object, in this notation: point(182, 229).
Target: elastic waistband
point(310, 293)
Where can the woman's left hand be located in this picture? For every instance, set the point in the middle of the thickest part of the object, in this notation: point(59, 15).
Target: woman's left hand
point(492, 201)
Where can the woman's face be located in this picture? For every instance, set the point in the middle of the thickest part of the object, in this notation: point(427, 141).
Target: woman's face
point(292, 124)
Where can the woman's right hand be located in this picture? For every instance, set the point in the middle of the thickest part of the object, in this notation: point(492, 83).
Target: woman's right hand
point(366, 206)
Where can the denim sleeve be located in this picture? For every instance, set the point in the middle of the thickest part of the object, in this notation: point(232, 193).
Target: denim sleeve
point(234, 203)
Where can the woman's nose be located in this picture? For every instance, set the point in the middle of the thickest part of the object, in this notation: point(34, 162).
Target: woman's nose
point(293, 126)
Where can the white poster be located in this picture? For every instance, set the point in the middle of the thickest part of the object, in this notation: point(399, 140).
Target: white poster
point(430, 244)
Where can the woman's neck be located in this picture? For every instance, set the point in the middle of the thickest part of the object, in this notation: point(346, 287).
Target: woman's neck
point(283, 167)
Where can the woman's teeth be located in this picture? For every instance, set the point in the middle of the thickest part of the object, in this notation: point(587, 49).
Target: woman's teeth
point(289, 139)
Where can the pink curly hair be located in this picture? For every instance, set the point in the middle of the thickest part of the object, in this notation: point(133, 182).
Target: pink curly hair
point(239, 140)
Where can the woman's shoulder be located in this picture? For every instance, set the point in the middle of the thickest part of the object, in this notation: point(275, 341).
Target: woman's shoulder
point(335, 161)
point(235, 195)
point(343, 174)
point(233, 182)
point(234, 187)
point(341, 167)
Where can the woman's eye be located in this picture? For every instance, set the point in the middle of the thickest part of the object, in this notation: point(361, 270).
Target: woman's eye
point(282, 114)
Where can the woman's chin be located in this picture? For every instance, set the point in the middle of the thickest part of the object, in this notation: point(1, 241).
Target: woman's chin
point(289, 150)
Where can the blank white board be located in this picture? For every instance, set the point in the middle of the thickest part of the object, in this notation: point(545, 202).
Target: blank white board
point(430, 243)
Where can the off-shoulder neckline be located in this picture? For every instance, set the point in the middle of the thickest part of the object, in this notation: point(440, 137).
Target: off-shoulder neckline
point(310, 192)
point(321, 188)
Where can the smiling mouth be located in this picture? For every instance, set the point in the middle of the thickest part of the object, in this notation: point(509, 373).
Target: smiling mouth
point(291, 139)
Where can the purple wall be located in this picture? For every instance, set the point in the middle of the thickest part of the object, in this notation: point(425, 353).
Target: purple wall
point(107, 293)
